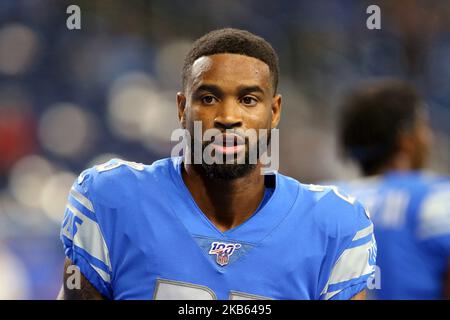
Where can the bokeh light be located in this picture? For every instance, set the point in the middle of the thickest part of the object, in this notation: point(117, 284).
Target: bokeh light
point(27, 177)
point(138, 111)
point(54, 194)
point(67, 130)
point(19, 45)
point(169, 61)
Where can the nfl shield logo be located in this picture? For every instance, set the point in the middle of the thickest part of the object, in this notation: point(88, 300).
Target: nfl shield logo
point(223, 251)
point(222, 259)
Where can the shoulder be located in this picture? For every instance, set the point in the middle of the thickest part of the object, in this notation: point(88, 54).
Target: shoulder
point(417, 184)
point(436, 190)
point(288, 185)
point(434, 209)
point(117, 180)
point(335, 212)
point(358, 185)
point(435, 186)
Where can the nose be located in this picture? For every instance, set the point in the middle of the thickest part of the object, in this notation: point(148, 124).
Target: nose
point(228, 116)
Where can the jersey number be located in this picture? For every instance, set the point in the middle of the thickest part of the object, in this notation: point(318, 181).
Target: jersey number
point(178, 290)
point(318, 188)
point(117, 163)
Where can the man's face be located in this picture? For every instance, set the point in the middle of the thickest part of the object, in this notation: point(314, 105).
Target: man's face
point(231, 93)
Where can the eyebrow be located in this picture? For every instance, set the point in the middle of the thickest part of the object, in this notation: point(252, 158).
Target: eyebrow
point(210, 88)
point(241, 90)
point(248, 89)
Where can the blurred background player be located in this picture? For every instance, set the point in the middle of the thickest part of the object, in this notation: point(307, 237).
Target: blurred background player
point(384, 127)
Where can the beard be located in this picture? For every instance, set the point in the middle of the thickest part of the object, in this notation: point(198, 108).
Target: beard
point(230, 170)
point(227, 171)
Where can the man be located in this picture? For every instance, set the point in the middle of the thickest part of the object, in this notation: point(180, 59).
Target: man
point(183, 229)
point(384, 127)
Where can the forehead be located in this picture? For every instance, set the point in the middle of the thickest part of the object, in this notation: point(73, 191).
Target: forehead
point(230, 70)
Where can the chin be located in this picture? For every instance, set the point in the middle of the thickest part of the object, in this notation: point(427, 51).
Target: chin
point(227, 172)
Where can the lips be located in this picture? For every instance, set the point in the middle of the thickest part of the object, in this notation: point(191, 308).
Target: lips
point(228, 143)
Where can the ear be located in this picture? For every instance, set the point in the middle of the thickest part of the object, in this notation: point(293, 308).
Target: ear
point(181, 104)
point(276, 110)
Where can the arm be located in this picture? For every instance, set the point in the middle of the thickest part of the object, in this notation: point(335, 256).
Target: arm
point(354, 261)
point(360, 296)
point(85, 292)
point(447, 283)
point(87, 269)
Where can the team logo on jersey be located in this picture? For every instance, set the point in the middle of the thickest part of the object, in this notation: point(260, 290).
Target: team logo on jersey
point(223, 251)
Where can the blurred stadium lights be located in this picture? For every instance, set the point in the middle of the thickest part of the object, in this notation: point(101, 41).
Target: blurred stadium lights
point(17, 125)
point(27, 177)
point(54, 194)
point(18, 48)
point(159, 120)
point(129, 96)
point(13, 215)
point(13, 277)
point(39, 189)
point(137, 111)
point(67, 130)
point(169, 62)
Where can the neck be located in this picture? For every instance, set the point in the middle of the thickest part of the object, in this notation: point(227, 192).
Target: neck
point(226, 203)
point(400, 162)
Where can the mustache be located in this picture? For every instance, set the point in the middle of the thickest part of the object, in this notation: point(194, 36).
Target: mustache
point(250, 142)
point(235, 137)
point(228, 139)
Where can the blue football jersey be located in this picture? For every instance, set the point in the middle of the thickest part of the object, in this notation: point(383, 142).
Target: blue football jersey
point(411, 214)
point(135, 232)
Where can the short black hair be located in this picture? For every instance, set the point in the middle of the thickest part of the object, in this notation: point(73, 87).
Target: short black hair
point(371, 119)
point(230, 40)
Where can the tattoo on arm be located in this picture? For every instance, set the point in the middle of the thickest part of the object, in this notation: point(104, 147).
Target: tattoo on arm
point(73, 290)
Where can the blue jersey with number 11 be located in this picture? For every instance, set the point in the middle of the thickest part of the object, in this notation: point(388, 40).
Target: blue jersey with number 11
point(135, 232)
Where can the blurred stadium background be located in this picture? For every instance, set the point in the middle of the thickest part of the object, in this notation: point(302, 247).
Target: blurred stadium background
point(69, 99)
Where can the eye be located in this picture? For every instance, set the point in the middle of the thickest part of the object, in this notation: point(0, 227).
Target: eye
point(249, 101)
point(208, 100)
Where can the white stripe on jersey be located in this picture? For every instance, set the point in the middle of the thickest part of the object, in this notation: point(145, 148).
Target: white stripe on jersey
point(352, 264)
point(364, 232)
point(330, 295)
point(104, 275)
point(82, 199)
point(89, 237)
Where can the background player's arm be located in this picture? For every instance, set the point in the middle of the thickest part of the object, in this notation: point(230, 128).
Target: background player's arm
point(85, 292)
